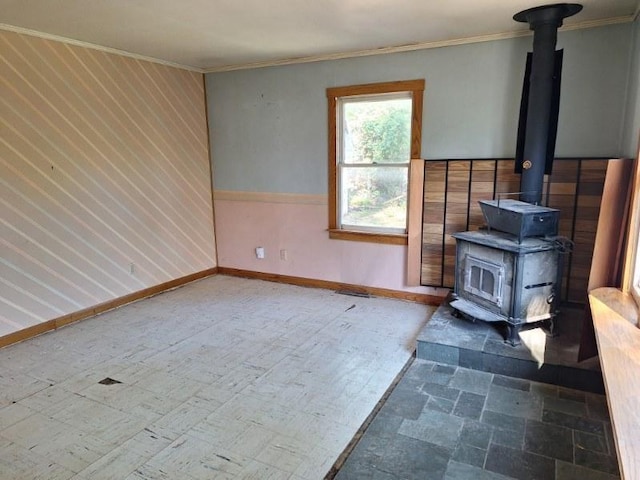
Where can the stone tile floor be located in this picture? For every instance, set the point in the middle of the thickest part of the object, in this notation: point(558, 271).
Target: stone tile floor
point(447, 422)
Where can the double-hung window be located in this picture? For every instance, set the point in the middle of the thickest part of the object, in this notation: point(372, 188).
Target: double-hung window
point(374, 131)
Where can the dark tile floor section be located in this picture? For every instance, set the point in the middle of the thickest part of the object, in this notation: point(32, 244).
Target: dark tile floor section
point(444, 422)
point(453, 341)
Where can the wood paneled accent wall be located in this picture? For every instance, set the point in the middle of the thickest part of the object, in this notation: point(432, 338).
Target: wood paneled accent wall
point(452, 189)
point(105, 185)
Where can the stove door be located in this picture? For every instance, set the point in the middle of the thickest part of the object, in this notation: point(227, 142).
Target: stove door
point(483, 279)
point(484, 276)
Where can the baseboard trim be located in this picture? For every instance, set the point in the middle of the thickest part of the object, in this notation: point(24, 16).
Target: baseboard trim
point(434, 300)
point(56, 323)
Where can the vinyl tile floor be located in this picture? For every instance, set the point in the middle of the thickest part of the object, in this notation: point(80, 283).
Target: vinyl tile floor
point(222, 378)
point(452, 423)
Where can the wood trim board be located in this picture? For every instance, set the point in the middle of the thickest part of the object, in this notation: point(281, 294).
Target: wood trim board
point(56, 323)
point(424, 298)
point(270, 197)
point(414, 221)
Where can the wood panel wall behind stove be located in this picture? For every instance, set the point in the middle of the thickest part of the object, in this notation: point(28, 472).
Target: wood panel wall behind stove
point(452, 189)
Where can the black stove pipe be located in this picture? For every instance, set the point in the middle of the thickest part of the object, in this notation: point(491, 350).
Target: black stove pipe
point(544, 21)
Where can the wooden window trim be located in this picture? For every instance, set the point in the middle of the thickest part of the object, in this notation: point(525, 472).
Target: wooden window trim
point(372, 237)
point(416, 87)
point(630, 275)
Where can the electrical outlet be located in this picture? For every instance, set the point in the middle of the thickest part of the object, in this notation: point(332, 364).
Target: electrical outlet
point(284, 254)
point(260, 252)
point(132, 269)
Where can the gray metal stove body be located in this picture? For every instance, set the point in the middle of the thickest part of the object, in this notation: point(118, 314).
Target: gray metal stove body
point(510, 276)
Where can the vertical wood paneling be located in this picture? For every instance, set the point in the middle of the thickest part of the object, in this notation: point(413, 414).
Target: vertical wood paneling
point(105, 178)
point(433, 216)
point(454, 187)
point(456, 216)
point(559, 192)
point(588, 189)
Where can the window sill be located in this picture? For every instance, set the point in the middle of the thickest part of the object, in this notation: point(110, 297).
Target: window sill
point(371, 237)
point(615, 320)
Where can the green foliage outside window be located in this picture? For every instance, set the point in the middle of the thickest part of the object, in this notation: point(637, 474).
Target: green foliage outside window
point(375, 133)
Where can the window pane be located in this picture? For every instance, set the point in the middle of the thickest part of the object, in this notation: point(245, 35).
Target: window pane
point(374, 197)
point(475, 277)
point(488, 283)
point(376, 131)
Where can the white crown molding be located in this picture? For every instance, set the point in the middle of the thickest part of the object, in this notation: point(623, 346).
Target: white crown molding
point(417, 46)
point(319, 58)
point(93, 46)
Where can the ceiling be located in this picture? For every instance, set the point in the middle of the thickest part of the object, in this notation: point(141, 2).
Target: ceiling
point(215, 35)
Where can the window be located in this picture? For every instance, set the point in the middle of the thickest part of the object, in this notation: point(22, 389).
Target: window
point(631, 281)
point(374, 131)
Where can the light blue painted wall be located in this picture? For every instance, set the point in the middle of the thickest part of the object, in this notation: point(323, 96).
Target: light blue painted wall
point(632, 117)
point(269, 126)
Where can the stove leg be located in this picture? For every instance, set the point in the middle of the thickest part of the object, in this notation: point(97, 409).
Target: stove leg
point(513, 337)
point(552, 330)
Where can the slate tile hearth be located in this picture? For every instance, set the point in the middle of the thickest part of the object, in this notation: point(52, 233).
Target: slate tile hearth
point(479, 345)
point(466, 424)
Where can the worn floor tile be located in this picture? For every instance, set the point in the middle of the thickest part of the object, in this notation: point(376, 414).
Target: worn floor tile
point(574, 422)
point(510, 382)
point(549, 440)
point(473, 381)
point(469, 405)
point(440, 404)
point(284, 453)
point(409, 458)
point(101, 421)
point(476, 434)
point(57, 442)
point(588, 441)
point(569, 471)
point(565, 405)
point(281, 376)
point(461, 471)
point(514, 402)
point(434, 427)
point(469, 455)
point(596, 461)
point(441, 391)
point(519, 464)
point(17, 462)
point(117, 464)
point(13, 413)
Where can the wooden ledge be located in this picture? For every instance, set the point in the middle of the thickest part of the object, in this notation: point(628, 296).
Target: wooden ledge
point(621, 303)
point(371, 237)
point(619, 350)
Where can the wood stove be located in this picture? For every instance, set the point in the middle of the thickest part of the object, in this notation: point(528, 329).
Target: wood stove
point(511, 276)
point(512, 272)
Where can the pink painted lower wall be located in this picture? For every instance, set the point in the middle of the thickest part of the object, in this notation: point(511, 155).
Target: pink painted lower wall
point(278, 222)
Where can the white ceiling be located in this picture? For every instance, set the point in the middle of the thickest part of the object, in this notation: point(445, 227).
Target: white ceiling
point(212, 35)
